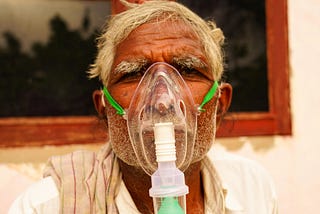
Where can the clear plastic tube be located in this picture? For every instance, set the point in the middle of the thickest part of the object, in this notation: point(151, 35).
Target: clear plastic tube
point(168, 184)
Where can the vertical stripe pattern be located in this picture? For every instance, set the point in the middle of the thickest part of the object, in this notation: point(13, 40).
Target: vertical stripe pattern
point(87, 182)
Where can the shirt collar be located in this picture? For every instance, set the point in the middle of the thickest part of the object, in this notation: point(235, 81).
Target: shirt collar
point(210, 180)
point(232, 203)
point(125, 203)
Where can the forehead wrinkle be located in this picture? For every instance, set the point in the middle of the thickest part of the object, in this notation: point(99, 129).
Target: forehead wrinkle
point(130, 66)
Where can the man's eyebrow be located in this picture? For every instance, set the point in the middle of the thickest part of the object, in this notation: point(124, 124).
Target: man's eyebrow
point(189, 62)
point(131, 66)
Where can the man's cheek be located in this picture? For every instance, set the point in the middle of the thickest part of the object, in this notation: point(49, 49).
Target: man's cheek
point(205, 134)
point(119, 138)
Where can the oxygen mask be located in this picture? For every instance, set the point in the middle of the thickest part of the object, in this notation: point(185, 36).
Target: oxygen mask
point(162, 96)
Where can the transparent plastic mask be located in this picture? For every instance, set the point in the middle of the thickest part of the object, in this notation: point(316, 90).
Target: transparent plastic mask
point(162, 96)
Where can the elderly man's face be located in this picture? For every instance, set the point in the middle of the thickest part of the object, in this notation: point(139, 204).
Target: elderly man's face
point(171, 42)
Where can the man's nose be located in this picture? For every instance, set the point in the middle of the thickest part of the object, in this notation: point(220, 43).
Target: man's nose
point(163, 100)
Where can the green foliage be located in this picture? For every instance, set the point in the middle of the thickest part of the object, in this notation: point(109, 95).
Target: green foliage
point(52, 79)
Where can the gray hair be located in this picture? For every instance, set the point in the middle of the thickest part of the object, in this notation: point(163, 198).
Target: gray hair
point(121, 25)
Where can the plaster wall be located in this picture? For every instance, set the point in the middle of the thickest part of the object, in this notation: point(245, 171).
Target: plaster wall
point(294, 161)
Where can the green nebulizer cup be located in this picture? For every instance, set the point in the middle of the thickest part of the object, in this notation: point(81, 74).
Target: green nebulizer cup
point(168, 184)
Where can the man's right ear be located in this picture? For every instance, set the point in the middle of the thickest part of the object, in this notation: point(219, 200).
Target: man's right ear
point(99, 103)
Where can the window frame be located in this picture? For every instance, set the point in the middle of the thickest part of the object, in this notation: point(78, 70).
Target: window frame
point(277, 121)
point(40, 131)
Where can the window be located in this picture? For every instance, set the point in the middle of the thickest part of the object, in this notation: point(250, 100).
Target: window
point(270, 116)
point(257, 64)
point(277, 120)
point(244, 26)
point(44, 55)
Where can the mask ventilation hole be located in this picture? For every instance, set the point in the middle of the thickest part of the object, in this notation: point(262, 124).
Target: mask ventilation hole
point(182, 107)
point(141, 113)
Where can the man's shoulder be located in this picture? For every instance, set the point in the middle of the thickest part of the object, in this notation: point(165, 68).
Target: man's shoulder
point(229, 163)
point(245, 180)
point(42, 193)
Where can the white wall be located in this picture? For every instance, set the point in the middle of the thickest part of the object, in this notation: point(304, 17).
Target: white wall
point(293, 161)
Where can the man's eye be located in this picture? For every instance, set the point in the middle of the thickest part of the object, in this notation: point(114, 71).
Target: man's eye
point(131, 77)
point(192, 74)
point(189, 72)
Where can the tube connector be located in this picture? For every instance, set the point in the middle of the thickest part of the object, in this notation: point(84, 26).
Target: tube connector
point(168, 184)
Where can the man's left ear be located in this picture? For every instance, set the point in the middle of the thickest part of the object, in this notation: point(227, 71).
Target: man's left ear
point(99, 102)
point(224, 100)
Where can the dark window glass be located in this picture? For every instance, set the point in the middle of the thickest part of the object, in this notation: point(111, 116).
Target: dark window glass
point(244, 25)
point(46, 48)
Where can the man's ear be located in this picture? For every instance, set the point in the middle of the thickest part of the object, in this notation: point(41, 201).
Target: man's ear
point(224, 100)
point(99, 102)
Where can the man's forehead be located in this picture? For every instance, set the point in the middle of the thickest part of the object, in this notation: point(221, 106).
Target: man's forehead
point(169, 27)
point(161, 35)
point(171, 41)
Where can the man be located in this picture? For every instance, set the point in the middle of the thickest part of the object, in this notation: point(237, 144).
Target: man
point(154, 37)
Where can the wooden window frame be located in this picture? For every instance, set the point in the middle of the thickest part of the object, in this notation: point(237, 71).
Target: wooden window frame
point(277, 121)
point(40, 131)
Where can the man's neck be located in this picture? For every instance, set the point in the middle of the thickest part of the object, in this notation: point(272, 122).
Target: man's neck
point(138, 184)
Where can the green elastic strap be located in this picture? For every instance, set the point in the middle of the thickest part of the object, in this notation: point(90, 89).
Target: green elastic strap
point(209, 95)
point(112, 102)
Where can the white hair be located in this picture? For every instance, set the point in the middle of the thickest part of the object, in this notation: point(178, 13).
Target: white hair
point(121, 25)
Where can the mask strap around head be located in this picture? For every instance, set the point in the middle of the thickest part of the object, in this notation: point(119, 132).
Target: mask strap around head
point(112, 102)
point(121, 111)
point(209, 96)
